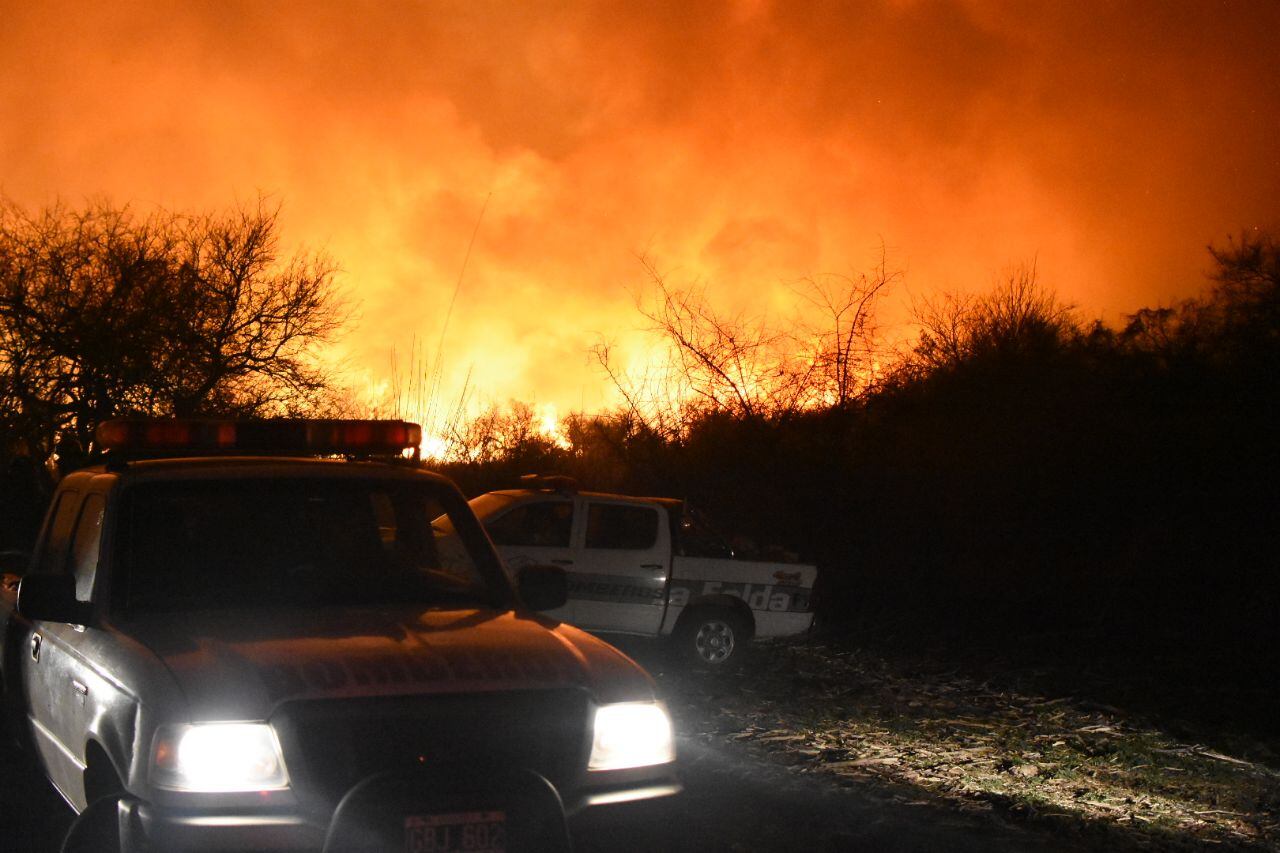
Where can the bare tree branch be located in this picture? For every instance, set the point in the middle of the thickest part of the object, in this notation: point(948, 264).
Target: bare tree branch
point(103, 312)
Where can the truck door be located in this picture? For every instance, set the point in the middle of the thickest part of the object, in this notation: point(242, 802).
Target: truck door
point(621, 575)
point(74, 685)
point(46, 680)
point(538, 531)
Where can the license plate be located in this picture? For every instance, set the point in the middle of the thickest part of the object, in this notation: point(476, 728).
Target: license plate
point(461, 832)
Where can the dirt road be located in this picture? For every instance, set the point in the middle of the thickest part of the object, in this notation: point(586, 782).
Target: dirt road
point(732, 802)
point(737, 799)
point(814, 746)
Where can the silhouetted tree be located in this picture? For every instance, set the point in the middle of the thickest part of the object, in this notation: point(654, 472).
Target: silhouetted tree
point(1019, 318)
point(724, 362)
point(502, 434)
point(747, 367)
point(1248, 285)
point(1237, 322)
point(846, 345)
point(104, 312)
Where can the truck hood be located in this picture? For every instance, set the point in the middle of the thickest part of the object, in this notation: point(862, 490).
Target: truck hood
point(241, 665)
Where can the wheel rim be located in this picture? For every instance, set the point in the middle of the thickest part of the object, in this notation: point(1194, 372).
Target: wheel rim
point(714, 641)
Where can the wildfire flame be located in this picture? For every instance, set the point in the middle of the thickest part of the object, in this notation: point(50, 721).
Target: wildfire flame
point(796, 139)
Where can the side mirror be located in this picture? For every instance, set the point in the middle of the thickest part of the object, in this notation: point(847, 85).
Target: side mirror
point(14, 562)
point(543, 587)
point(51, 598)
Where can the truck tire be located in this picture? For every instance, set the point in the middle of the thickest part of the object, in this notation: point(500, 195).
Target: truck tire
point(711, 638)
point(99, 828)
point(96, 829)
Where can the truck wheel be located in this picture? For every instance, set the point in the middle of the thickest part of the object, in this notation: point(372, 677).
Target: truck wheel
point(711, 639)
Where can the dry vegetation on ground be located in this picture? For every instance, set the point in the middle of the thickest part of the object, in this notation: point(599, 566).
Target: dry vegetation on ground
point(854, 716)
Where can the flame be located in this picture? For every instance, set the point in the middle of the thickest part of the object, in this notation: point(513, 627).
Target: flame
point(550, 426)
point(433, 447)
point(794, 141)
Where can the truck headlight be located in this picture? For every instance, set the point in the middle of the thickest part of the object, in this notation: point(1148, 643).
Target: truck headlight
point(631, 734)
point(221, 757)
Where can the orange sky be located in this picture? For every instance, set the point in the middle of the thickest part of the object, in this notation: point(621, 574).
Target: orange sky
point(747, 144)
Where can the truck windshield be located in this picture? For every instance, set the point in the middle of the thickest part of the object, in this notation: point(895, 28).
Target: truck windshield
point(221, 544)
point(487, 504)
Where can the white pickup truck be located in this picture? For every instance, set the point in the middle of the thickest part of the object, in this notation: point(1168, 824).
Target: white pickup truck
point(637, 566)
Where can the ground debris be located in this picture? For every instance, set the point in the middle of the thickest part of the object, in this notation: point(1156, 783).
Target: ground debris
point(852, 715)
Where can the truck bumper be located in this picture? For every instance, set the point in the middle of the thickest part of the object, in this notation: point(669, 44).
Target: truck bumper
point(637, 825)
point(782, 624)
point(150, 827)
point(616, 787)
point(153, 828)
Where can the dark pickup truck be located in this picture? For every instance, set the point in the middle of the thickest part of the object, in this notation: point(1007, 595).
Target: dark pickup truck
point(229, 627)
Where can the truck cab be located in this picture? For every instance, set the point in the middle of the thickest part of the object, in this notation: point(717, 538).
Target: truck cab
point(616, 550)
point(639, 565)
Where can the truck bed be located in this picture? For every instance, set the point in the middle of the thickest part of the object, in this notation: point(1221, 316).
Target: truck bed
point(778, 594)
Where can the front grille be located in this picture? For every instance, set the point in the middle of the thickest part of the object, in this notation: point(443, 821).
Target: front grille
point(331, 744)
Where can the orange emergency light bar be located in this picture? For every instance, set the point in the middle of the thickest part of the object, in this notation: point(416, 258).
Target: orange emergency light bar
point(145, 436)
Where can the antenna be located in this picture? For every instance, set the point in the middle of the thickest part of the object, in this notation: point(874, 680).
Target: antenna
point(437, 371)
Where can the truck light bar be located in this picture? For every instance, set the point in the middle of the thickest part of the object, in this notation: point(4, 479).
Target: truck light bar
point(550, 483)
point(130, 436)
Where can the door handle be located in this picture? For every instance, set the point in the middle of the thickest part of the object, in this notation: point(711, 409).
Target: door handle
point(657, 567)
point(562, 562)
point(35, 647)
point(82, 689)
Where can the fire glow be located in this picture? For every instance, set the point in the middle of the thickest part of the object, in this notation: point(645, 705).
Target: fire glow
point(743, 145)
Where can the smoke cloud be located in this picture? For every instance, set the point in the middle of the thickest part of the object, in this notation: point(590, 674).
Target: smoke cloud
point(743, 144)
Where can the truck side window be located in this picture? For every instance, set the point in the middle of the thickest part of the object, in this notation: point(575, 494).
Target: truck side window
point(621, 528)
point(85, 544)
point(543, 524)
point(53, 551)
